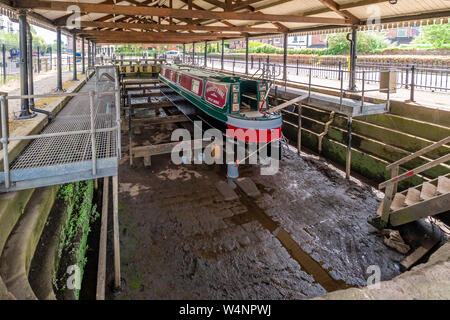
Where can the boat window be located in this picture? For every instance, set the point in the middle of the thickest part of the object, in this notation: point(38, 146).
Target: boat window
point(195, 86)
point(179, 78)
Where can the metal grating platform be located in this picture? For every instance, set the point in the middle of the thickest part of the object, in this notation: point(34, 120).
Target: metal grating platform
point(67, 158)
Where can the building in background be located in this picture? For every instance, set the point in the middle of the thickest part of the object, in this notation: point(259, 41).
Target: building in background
point(7, 25)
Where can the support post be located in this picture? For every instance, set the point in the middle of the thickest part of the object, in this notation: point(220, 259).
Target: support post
point(38, 58)
point(193, 53)
point(24, 111)
point(74, 52)
point(83, 67)
point(353, 49)
point(348, 158)
point(4, 62)
point(51, 58)
point(184, 53)
point(221, 57)
point(101, 270)
point(30, 64)
point(299, 133)
point(116, 231)
point(58, 60)
point(246, 55)
point(285, 51)
point(205, 53)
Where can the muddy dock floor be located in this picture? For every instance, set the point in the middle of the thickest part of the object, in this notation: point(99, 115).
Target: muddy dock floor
point(306, 234)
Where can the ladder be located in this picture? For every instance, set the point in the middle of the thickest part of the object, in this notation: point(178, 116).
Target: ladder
point(417, 202)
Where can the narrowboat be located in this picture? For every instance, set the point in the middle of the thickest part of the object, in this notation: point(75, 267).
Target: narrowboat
point(237, 106)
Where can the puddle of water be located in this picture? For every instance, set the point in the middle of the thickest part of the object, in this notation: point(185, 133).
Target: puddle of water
point(308, 264)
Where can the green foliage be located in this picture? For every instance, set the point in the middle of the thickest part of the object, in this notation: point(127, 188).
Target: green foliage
point(438, 35)
point(368, 42)
point(81, 213)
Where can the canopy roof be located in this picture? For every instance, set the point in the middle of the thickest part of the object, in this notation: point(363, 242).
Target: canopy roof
point(185, 21)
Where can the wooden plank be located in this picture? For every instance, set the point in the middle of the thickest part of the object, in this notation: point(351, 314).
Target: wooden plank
point(175, 13)
point(161, 120)
point(163, 148)
point(116, 231)
point(417, 254)
point(101, 271)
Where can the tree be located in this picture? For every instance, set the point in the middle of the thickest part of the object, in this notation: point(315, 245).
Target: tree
point(367, 42)
point(437, 35)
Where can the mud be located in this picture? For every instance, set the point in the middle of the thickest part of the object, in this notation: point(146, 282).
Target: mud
point(306, 234)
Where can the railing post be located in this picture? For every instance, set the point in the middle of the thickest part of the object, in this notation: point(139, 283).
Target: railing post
point(362, 89)
point(4, 140)
point(413, 69)
point(407, 76)
point(309, 84)
point(4, 62)
point(299, 133)
point(348, 158)
point(297, 67)
point(93, 142)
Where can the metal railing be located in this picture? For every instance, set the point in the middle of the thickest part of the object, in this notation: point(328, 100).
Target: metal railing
point(428, 77)
point(93, 130)
point(276, 76)
point(392, 184)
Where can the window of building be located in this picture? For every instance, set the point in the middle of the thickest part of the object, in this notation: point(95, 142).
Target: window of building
point(402, 32)
point(277, 40)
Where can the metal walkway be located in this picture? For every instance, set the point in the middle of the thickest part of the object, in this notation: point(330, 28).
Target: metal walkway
point(63, 151)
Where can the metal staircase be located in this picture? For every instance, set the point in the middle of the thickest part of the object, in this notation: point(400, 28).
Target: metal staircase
point(430, 198)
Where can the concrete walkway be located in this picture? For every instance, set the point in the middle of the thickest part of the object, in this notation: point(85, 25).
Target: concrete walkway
point(44, 82)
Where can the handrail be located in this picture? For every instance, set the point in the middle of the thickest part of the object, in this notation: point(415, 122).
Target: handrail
point(419, 153)
point(410, 173)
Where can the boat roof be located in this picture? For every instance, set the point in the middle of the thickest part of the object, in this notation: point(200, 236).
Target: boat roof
point(203, 73)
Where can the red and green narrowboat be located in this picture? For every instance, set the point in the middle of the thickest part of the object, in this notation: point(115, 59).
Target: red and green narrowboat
point(237, 105)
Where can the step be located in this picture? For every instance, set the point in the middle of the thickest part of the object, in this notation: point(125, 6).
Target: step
point(412, 196)
point(443, 185)
point(398, 202)
point(428, 191)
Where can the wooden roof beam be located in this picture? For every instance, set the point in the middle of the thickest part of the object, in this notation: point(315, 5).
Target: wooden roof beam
point(184, 27)
point(333, 6)
point(176, 13)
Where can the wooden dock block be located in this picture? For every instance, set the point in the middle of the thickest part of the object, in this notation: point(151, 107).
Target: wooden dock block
point(417, 254)
point(226, 191)
point(148, 161)
point(248, 187)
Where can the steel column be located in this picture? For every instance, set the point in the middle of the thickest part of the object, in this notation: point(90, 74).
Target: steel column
point(193, 53)
point(246, 55)
point(74, 52)
point(205, 53)
point(353, 57)
point(58, 60)
point(4, 62)
point(83, 67)
point(25, 112)
point(222, 53)
point(184, 52)
point(285, 52)
point(30, 64)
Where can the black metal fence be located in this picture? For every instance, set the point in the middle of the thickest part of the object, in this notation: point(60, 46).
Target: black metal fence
point(432, 77)
point(42, 62)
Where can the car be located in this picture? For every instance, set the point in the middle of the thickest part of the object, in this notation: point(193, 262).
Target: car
point(172, 54)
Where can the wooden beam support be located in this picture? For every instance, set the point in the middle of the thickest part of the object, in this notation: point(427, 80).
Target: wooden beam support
point(186, 27)
point(343, 13)
point(176, 13)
